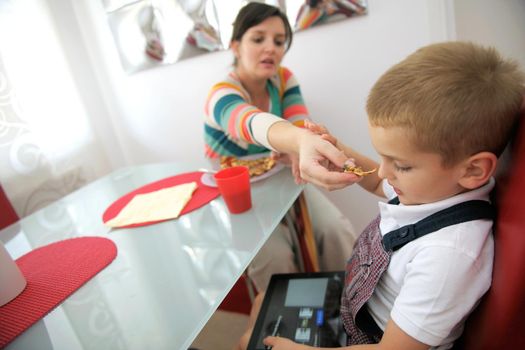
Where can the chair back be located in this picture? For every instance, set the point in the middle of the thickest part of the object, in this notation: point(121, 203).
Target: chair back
point(499, 321)
point(7, 212)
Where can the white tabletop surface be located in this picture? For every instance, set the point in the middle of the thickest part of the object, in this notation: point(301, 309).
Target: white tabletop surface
point(167, 278)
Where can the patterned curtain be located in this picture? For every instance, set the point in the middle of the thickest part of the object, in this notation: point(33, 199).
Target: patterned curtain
point(47, 145)
point(29, 176)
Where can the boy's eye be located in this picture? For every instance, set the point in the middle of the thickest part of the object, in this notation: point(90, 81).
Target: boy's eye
point(402, 168)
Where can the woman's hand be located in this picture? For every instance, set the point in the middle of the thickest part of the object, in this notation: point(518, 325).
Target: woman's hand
point(292, 161)
point(281, 158)
point(321, 163)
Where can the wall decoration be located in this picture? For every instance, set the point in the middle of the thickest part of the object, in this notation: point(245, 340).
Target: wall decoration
point(149, 33)
point(315, 12)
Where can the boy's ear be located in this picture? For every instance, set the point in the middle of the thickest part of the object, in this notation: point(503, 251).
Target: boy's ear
point(478, 170)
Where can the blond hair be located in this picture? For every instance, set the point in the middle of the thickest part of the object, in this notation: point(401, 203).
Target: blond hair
point(455, 98)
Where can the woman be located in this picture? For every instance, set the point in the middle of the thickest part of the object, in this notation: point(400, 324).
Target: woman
point(241, 109)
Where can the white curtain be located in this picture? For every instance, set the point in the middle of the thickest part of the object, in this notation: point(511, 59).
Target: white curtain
point(48, 143)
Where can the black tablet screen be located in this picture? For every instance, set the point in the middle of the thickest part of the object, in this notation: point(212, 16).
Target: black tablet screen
point(303, 307)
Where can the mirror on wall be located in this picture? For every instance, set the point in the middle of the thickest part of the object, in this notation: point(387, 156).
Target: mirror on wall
point(149, 33)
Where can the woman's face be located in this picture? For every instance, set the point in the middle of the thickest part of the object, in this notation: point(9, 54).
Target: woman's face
point(261, 49)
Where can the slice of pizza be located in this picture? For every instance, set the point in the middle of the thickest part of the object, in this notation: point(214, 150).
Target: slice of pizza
point(357, 170)
point(255, 167)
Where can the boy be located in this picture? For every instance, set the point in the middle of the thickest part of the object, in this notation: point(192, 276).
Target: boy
point(439, 119)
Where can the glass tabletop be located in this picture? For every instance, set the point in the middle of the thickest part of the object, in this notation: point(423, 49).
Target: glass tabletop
point(168, 278)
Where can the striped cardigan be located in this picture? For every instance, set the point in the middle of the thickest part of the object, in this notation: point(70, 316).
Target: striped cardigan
point(227, 127)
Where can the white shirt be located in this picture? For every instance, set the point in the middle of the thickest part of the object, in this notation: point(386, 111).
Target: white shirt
point(435, 281)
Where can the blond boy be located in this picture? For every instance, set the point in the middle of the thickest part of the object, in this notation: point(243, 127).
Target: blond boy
point(438, 120)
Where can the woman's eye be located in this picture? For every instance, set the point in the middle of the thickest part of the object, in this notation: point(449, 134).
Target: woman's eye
point(402, 168)
point(279, 42)
point(258, 40)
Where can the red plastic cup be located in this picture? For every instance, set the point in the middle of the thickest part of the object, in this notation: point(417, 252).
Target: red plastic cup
point(234, 186)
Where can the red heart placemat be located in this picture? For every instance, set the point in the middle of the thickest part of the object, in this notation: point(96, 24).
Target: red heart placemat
point(52, 272)
point(202, 195)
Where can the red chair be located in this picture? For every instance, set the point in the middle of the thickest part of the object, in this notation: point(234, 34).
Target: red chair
point(499, 321)
point(240, 297)
point(7, 212)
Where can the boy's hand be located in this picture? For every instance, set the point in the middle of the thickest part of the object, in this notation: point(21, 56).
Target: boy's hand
point(320, 130)
point(278, 343)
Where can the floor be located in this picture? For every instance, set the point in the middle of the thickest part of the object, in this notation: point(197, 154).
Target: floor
point(222, 331)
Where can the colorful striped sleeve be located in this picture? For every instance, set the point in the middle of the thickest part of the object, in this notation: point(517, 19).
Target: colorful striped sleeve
point(228, 109)
point(294, 109)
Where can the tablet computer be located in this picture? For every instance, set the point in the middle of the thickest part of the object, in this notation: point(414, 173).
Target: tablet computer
point(303, 307)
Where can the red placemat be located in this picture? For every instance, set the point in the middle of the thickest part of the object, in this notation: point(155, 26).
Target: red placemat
point(202, 195)
point(52, 272)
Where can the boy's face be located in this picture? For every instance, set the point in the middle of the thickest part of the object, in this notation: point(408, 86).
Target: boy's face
point(417, 177)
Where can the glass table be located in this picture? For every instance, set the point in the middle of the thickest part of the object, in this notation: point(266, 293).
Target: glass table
point(168, 278)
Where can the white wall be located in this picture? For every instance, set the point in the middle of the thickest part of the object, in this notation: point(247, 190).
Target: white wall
point(338, 64)
point(500, 24)
point(160, 111)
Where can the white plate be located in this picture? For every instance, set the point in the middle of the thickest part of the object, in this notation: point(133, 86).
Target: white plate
point(208, 180)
